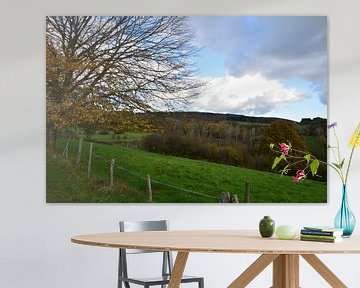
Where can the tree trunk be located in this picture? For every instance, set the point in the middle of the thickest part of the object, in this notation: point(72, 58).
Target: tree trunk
point(50, 137)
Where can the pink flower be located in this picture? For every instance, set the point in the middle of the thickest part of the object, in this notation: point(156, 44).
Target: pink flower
point(284, 148)
point(300, 175)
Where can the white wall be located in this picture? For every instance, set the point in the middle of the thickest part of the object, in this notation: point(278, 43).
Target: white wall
point(35, 248)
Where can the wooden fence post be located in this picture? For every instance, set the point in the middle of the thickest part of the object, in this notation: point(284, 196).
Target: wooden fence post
point(149, 187)
point(78, 158)
point(67, 153)
point(66, 149)
point(112, 163)
point(247, 192)
point(89, 162)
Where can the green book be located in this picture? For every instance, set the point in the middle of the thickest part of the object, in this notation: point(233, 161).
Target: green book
point(319, 236)
point(325, 240)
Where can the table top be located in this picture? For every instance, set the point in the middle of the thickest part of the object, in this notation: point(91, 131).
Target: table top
point(217, 241)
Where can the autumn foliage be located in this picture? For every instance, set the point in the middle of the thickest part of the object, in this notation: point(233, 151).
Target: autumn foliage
point(105, 70)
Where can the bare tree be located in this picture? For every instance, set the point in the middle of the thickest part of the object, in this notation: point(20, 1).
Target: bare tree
point(116, 63)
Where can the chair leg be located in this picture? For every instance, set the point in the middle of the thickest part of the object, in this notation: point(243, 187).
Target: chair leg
point(201, 283)
point(119, 270)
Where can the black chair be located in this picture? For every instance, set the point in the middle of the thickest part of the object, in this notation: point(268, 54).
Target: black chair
point(167, 265)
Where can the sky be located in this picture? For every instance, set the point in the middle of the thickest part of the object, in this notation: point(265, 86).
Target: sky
point(273, 66)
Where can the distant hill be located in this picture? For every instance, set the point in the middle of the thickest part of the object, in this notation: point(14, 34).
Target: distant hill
point(317, 120)
point(238, 118)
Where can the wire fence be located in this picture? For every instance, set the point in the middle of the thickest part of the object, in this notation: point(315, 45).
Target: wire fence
point(224, 197)
point(143, 177)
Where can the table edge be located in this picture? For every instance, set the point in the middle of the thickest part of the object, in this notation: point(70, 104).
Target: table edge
point(206, 250)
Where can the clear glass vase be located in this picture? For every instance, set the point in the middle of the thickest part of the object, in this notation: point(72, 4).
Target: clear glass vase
point(345, 219)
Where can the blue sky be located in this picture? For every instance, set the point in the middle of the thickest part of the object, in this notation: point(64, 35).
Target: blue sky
point(262, 66)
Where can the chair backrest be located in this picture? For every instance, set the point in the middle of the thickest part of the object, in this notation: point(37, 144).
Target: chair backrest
point(134, 226)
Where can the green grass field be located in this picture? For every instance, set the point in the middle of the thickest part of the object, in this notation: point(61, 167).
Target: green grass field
point(113, 138)
point(67, 182)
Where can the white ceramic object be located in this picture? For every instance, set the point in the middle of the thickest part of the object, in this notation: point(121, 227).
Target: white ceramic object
point(285, 232)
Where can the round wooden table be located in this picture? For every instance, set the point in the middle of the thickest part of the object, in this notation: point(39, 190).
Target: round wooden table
point(284, 254)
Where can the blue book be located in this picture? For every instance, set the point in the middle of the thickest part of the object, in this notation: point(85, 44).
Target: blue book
point(322, 231)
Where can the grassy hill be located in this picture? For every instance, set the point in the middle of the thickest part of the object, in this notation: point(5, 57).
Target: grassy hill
point(67, 182)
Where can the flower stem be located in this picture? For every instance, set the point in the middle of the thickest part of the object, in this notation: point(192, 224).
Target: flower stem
point(339, 171)
point(336, 169)
point(348, 166)
point(338, 146)
point(339, 160)
point(333, 152)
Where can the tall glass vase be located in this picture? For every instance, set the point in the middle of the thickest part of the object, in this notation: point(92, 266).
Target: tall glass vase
point(345, 219)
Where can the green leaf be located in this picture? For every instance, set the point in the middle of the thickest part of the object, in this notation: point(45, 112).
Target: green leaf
point(342, 163)
point(339, 166)
point(314, 166)
point(271, 146)
point(277, 161)
point(336, 165)
point(307, 157)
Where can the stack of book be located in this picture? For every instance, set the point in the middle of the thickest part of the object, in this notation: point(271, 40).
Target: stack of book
point(321, 234)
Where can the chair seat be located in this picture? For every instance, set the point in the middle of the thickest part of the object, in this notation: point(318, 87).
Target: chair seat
point(158, 280)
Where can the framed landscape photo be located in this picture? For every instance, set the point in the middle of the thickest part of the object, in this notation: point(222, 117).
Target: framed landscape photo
point(170, 109)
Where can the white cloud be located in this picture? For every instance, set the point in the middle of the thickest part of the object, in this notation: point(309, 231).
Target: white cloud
point(248, 94)
point(278, 47)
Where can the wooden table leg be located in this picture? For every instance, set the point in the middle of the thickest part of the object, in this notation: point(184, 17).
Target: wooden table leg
point(178, 270)
point(253, 270)
point(324, 271)
point(293, 262)
point(286, 271)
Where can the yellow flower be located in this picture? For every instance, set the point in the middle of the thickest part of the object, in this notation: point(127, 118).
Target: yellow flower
point(355, 138)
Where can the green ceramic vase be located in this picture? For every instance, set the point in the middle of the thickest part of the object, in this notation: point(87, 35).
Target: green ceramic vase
point(266, 227)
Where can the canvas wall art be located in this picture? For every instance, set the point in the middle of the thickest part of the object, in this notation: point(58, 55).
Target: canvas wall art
point(185, 109)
